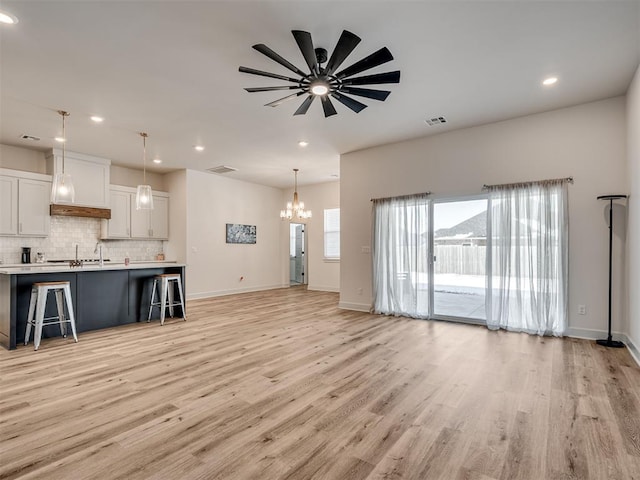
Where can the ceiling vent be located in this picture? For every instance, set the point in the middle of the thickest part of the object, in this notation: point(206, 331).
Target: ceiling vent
point(25, 136)
point(221, 169)
point(433, 121)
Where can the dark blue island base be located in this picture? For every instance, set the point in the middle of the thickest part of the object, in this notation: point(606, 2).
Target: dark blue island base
point(101, 299)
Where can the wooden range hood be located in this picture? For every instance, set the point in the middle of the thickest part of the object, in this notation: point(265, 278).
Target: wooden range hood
point(77, 211)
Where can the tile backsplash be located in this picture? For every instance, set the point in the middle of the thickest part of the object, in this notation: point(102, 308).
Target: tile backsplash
point(66, 232)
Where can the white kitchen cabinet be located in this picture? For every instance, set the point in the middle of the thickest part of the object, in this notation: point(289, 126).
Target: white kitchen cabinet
point(90, 176)
point(160, 217)
point(119, 226)
point(24, 203)
point(33, 207)
point(151, 224)
point(128, 222)
point(8, 205)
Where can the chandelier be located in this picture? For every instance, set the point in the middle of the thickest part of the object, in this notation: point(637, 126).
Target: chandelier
point(295, 209)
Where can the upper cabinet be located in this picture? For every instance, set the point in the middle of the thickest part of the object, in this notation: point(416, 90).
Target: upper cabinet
point(24, 203)
point(8, 205)
point(119, 226)
point(128, 222)
point(151, 224)
point(90, 176)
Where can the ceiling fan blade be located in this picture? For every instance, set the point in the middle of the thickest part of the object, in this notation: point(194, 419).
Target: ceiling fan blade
point(346, 43)
point(253, 71)
point(280, 101)
point(304, 106)
point(327, 106)
point(376, 58)
point(353, 104)
point(378, 78)
point(305, 44)
point(263, 49)
point(269, 89)
point(366, 92)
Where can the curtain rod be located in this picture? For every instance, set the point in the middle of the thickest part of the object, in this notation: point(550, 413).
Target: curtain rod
point(526, 184)
point(401, 197)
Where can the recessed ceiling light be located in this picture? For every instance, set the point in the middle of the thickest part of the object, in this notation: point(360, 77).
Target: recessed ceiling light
point(60, 139)
point(199, 148)
point(6, 17)
point(302, 143)
point(157, 160)
point(550, 81)
point(97, 119)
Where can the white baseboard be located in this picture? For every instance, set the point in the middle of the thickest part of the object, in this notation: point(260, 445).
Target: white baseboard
point(232, 291)
point(590, 334)
point(358, 307)
point(323, 288)
point(633, 350)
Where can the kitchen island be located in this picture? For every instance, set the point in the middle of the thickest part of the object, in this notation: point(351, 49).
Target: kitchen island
point(103, 296)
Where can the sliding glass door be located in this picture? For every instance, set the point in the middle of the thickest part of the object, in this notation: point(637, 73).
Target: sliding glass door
point(430, 257)
point(459, 258)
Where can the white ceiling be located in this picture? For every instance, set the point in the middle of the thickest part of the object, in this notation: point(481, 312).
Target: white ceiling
point(170, 68)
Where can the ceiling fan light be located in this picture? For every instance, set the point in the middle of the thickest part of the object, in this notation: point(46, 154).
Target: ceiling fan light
point(319, 88)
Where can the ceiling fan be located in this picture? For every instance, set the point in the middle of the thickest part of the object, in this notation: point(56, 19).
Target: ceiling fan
point(324, 81)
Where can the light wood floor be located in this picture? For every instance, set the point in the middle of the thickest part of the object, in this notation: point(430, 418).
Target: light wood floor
point(283, 385)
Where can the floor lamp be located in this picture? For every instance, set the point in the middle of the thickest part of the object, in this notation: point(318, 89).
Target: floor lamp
point(608, 342)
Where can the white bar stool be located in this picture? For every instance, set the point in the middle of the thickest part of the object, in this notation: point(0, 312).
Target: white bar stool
point(37, 305)
point(167, 287)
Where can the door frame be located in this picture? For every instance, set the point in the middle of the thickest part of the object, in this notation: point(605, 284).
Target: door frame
point(450, 199)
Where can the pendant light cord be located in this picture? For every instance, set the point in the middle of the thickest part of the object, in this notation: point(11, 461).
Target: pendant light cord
point(144, 157)
point(64, 137)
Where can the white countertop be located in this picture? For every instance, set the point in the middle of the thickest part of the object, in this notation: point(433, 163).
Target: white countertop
point(30, 268)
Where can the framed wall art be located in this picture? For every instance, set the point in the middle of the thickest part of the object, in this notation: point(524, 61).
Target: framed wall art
point(238, 233)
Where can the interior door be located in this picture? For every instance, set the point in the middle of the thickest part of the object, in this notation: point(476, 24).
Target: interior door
point(297, 254)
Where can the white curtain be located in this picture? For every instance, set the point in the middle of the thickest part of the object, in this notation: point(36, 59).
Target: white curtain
point(528, 257)
point(400, 256)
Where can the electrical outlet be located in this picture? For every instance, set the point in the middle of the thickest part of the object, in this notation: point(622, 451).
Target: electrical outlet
point(582, 309)
point(359, 291)
point(365, 249)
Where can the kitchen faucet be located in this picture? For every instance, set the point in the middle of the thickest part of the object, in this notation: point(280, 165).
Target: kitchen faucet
point(99, 249)
point(76, 262)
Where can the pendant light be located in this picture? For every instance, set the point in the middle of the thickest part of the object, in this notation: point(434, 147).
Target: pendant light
point(62, 190)
point(295, 209)
point(144, 197)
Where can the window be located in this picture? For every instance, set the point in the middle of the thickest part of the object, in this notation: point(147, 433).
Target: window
point(332, 234)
